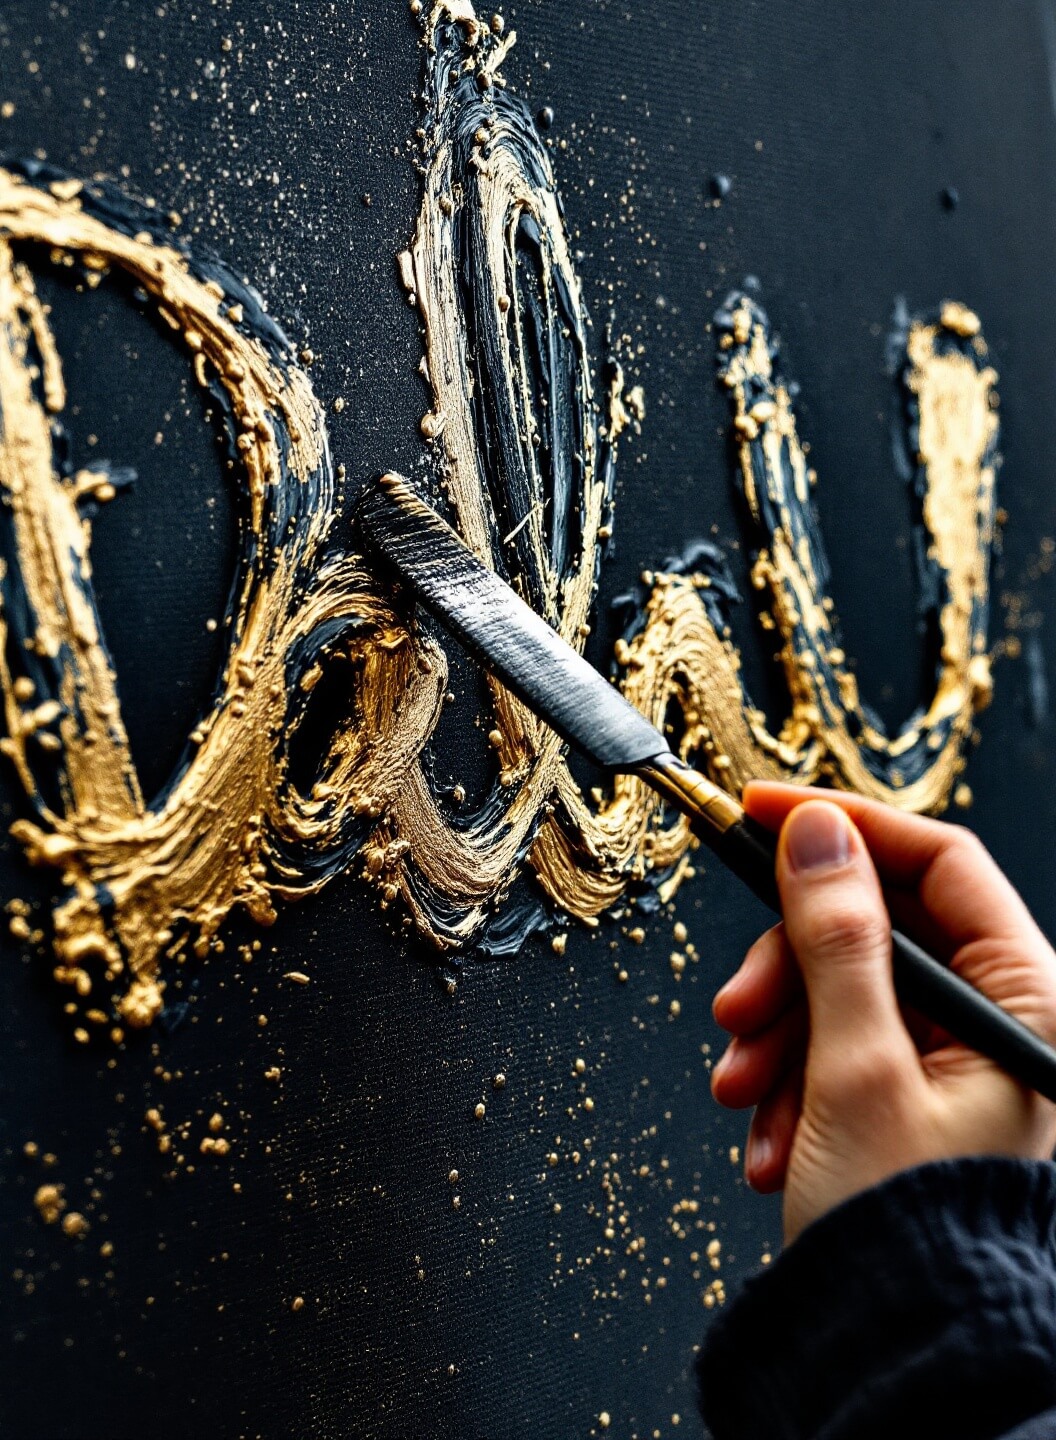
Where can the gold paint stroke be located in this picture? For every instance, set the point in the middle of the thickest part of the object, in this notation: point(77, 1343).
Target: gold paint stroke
point(828, 733)
point(681, 654)
point(137, 878)
point(586, 850)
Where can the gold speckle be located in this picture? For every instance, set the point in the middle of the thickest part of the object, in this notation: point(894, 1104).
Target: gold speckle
point(49, 1202)
point(139, 1005)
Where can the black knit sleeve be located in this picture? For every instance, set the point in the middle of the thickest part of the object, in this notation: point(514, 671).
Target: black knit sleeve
point(924, 1306)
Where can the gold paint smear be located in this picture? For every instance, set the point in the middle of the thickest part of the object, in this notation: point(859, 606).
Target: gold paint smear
point(490, 212)
point(231, 830)
point(829, 732)
point(480, 150)
point(680, 651)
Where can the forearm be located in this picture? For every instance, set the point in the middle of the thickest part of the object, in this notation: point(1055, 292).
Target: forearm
point(932, 1295)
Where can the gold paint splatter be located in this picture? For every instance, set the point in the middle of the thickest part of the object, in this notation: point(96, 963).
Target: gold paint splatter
point(49, 1201)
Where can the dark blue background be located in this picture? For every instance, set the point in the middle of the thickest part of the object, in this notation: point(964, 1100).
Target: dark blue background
point(839, 127)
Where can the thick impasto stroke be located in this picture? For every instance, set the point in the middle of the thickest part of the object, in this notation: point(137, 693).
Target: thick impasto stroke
point(524, 464)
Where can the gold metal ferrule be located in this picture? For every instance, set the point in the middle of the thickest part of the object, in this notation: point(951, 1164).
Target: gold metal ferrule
point(692, 793)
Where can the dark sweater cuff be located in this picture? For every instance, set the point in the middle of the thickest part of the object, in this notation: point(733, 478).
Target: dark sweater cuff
point(934, 1293)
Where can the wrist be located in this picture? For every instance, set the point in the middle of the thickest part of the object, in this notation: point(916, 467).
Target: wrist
point(916, 1277)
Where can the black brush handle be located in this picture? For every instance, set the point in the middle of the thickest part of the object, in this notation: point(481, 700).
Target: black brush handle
point(921, 981)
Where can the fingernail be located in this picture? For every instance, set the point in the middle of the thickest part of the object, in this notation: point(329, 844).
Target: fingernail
point(817, 837)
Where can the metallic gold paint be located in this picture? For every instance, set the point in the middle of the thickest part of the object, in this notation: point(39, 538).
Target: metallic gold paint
point(526, 465)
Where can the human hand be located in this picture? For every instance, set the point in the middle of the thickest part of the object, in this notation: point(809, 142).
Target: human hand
point(847, 1088)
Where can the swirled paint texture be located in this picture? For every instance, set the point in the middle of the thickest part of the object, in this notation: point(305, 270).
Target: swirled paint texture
point(525, 462)
point(524, 472)
point(950, 424)
point(230, 828)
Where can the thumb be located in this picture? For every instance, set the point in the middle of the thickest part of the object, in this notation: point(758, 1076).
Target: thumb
point(840, 932)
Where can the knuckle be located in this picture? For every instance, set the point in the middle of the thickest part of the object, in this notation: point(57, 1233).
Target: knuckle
point(847, 928)
point(966, 843)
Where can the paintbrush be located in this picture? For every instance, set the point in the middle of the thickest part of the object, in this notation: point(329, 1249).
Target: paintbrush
point(554, 681)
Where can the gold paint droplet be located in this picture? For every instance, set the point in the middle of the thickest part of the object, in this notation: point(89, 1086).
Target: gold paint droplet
point(49, 1202)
